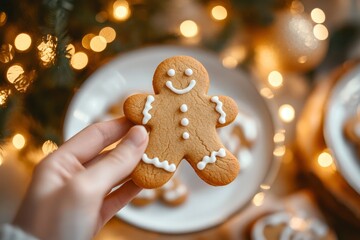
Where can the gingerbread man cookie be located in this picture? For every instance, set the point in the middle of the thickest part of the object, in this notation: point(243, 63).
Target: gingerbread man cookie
point(182, 121)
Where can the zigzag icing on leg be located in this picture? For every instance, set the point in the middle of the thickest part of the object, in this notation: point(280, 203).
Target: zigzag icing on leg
point(211, 159)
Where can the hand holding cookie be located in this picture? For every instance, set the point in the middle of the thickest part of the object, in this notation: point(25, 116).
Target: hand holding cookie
point(182, 121)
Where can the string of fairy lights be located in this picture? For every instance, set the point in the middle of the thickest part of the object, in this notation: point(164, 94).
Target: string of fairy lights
point(231, 57)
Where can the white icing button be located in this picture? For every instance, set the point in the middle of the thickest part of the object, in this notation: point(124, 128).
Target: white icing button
point(184, 122)
point(186, 135)
point(171, 72)
point(184, 108)
point(191, 85)
point(188, 72)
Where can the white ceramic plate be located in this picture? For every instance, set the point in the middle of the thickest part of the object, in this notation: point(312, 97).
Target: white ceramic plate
point(343, 102)
point(206, 206)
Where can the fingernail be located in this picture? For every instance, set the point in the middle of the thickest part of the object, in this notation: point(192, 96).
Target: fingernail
point(136, 136)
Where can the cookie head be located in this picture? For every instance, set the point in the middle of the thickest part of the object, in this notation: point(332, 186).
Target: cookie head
point(180, 75)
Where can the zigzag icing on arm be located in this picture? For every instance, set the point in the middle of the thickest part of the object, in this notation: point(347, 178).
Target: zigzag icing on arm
point(211, 159)
point(219, 109)
point(147, 116)
point(157, 163)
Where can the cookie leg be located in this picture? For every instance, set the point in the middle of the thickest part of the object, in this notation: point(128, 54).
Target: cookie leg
point(218, 167)
point(156, 167)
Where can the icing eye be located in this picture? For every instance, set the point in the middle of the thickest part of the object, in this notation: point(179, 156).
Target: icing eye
point(171, 72)
point(188, 72)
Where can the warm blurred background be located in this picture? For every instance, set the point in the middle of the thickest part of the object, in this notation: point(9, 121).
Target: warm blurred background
point(295, 50)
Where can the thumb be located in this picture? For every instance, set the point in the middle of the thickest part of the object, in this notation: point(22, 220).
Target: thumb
point(120, 162)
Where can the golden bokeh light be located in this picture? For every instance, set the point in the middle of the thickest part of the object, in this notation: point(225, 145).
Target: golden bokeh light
point(320, 32)
point(3, 18)
point(70, 49)
point(1, 159)
point(79, 60)
point(229, 62)
point(189, 28)
point(279, 151)
point(265, 186)
point(287, 113)
point(22, 42)
point(279, 137)
point(121, 10)
point(258, 199)
point(318, 15)
point(48, 147)
point(108, 33)
point(18, 141)
point(85, 42)
point(98, 44)
point(275, 79)
point(219, 12)
point(266, 93)
point(14, 72)
point(325, 159)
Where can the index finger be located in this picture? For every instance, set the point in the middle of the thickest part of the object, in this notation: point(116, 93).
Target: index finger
point(87, 144)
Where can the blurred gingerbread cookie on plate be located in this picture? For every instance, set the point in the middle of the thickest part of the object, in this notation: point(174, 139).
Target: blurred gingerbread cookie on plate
point(173, 193)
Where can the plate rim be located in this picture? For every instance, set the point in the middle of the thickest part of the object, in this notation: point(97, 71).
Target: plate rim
point(336, 90)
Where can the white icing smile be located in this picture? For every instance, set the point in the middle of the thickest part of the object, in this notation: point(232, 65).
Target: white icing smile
point(181, 91)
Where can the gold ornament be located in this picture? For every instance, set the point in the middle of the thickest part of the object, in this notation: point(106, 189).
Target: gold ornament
point(292, 43)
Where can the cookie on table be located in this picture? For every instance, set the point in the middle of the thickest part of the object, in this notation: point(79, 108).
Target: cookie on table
point(286, 225)
point(182, 120)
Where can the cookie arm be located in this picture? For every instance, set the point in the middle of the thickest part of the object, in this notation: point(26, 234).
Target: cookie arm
point(137, 108)
point(227, 109)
